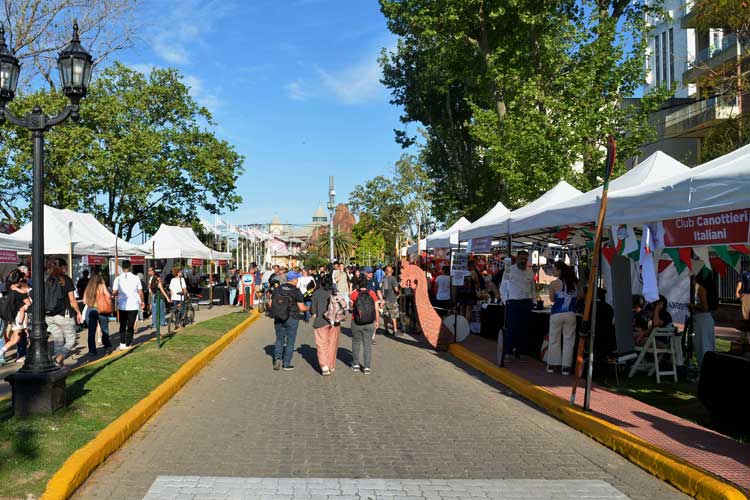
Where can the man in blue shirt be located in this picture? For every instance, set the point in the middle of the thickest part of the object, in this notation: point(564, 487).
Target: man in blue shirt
point(379, 273)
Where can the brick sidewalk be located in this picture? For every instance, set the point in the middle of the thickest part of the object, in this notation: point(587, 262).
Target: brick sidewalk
point(420, 415)
point(714, 452)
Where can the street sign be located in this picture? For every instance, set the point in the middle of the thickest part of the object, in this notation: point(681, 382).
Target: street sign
point(8, 257)
point(720, 228)
point(94, 260)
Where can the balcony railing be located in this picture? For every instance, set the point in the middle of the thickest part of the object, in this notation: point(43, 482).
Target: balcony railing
point(709, 52)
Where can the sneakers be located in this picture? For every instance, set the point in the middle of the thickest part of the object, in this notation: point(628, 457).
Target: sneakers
point(355, 368)
point(366, 371)
point(550, 369)
point(325, 371)
point(565, 371)
point(123, 347)
point(277, 364)
point(288, 368)
point(22, 359)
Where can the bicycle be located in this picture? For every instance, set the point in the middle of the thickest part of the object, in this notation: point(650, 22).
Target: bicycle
point(182, 316)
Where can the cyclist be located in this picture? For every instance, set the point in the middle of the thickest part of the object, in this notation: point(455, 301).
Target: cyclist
point(178, 290)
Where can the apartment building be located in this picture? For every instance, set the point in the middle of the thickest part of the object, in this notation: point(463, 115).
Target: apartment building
point(679, 57)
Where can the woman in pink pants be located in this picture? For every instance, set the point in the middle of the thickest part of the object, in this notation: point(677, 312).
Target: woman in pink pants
point(326, 334)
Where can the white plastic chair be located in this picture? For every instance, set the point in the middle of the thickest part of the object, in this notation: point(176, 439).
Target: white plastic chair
point(659, 343)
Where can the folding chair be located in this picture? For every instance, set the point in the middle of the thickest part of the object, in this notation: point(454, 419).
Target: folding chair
point(652, 346)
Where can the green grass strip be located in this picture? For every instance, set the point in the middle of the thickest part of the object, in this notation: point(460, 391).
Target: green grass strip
point(32, 449)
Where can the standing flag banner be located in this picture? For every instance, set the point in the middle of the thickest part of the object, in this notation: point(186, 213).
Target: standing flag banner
point(648, 270)
point(586, 327)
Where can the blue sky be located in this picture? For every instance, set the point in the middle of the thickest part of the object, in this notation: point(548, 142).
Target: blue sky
point(292, 84)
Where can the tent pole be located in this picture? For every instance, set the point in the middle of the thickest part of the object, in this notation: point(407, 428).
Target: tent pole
point(70, 249)
point(590, 371)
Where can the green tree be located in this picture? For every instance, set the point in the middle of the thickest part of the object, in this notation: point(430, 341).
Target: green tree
point(514, 94)
point(140, 156)
point(343, 246)
point(369, 243)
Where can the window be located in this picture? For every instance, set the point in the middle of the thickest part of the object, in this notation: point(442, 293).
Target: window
point(664, 74)
point(671, 57)
point(657, 56)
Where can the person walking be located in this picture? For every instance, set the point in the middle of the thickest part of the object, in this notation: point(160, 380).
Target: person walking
point(517, 291)
point(14, 313)
point(341, 280)
point(287, 304)
point(743, 291)
point(706, 302)
point(178, 291)
point(562, 320)
point(329, 310)
point(443, 292)
point(390, 300)
point(157, 287)
point(129, 295)
point(233, 282)
point(62, 312)
point(364, 324)
point(82, 284)
point(99, 308)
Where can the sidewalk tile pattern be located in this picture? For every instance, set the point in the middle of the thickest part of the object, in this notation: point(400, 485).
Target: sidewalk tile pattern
point(256, 488)
point(714, 452)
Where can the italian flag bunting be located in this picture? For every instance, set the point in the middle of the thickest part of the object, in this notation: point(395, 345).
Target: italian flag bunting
point(626, 243)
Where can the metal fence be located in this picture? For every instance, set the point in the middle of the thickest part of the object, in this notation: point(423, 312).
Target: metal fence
point(728, 284)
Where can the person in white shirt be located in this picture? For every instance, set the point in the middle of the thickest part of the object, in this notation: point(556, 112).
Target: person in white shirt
point(443, 291)
point(129, 295)
point(178, 290)
point(517, 291)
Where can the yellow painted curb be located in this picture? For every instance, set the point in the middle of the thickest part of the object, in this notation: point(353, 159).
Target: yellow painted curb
point(687, 477)
point(82, 463)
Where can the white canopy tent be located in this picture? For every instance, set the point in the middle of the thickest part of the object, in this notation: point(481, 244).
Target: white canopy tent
point(585, 208)
point(86, 234)
point(498, 226)
point(719, 185)
point(417, 247)
point(14, 244)
point(448, 237)
point(477, 228)
point(174, 242)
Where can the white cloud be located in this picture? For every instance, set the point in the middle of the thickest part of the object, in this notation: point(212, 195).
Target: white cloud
point(296, 91)
point(201, 95)
point(355, 84)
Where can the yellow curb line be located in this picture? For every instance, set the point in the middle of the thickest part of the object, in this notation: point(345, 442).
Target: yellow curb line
point(82, 463)
point(687, 477)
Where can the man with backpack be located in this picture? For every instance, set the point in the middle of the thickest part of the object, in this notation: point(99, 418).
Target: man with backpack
point(364, 323)
point(287, 303)
point(61, 309)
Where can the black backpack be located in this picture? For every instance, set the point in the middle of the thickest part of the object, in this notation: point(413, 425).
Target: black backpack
point(54, 297)
point(364, 309)
point(281, 305)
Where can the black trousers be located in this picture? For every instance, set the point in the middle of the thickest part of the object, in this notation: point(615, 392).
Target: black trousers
point(127, 326)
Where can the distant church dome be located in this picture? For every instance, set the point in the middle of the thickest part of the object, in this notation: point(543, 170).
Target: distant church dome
point(320, 215)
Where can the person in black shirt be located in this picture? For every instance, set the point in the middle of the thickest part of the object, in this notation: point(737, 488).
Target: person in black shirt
point(62, 320)
point(82, 284)
point(286, 330)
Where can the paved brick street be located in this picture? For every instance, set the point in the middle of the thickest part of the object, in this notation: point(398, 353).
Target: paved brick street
point(420, 415)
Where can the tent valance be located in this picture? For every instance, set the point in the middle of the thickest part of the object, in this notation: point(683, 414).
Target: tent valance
point(174, 242)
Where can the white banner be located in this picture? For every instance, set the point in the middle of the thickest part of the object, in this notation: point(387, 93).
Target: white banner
point(459, 265)
point(676, 289)
point(480, 245)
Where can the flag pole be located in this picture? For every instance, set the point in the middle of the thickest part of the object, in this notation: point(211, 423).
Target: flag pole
point(591, 294)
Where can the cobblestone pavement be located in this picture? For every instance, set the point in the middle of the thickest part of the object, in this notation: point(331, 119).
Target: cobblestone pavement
point(419, 415)
point(230, 488)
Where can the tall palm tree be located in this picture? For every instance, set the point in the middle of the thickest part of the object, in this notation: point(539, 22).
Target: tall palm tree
point(343, 246)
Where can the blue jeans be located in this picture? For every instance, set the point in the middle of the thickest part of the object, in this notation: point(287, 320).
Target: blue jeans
point(92, 318)
point(232, 295)
point(286, 335)
point(162, 312)
point(517, 317)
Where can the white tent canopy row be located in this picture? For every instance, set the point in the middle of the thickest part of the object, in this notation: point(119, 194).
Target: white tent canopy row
point(448, 237)
point(417, 247)
point(174, 242)
point(66, 228)
point(14, 244)
point(497, 221)
point(584, 208)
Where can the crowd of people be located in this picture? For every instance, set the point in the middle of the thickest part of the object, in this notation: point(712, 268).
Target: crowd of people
point(329, 296)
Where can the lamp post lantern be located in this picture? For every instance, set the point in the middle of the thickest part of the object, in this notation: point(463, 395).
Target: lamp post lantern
point(39, 386)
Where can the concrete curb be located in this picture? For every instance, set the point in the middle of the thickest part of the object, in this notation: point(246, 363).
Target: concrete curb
point(82, 463)
point(685, 476)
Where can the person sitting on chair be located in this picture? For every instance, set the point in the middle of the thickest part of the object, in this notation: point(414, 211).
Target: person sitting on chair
point(660, 319)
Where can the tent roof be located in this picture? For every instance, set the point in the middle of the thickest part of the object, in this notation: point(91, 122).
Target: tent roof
point(174, 242)
point(718, 185)
point(417, 247)
point(14, 244)
point(585, 208)
point(499, 225)
point(476, 228)
point(448, 237)
point(88, 235)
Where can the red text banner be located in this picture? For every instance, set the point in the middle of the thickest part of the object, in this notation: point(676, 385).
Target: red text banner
point(195, 262)
point(138, 260)
point(8, 257)
point(720, 228)
point(94, 260)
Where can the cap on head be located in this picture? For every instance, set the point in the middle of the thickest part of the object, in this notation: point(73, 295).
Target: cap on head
point(368, 269)
point(292, 275)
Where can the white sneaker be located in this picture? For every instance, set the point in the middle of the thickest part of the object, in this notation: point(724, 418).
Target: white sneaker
point(123, 347)
point(325, 370)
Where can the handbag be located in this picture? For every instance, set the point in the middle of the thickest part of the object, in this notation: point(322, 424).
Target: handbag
point(104, 301)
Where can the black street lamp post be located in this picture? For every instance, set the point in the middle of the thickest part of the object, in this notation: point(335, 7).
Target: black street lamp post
point(39, 386)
